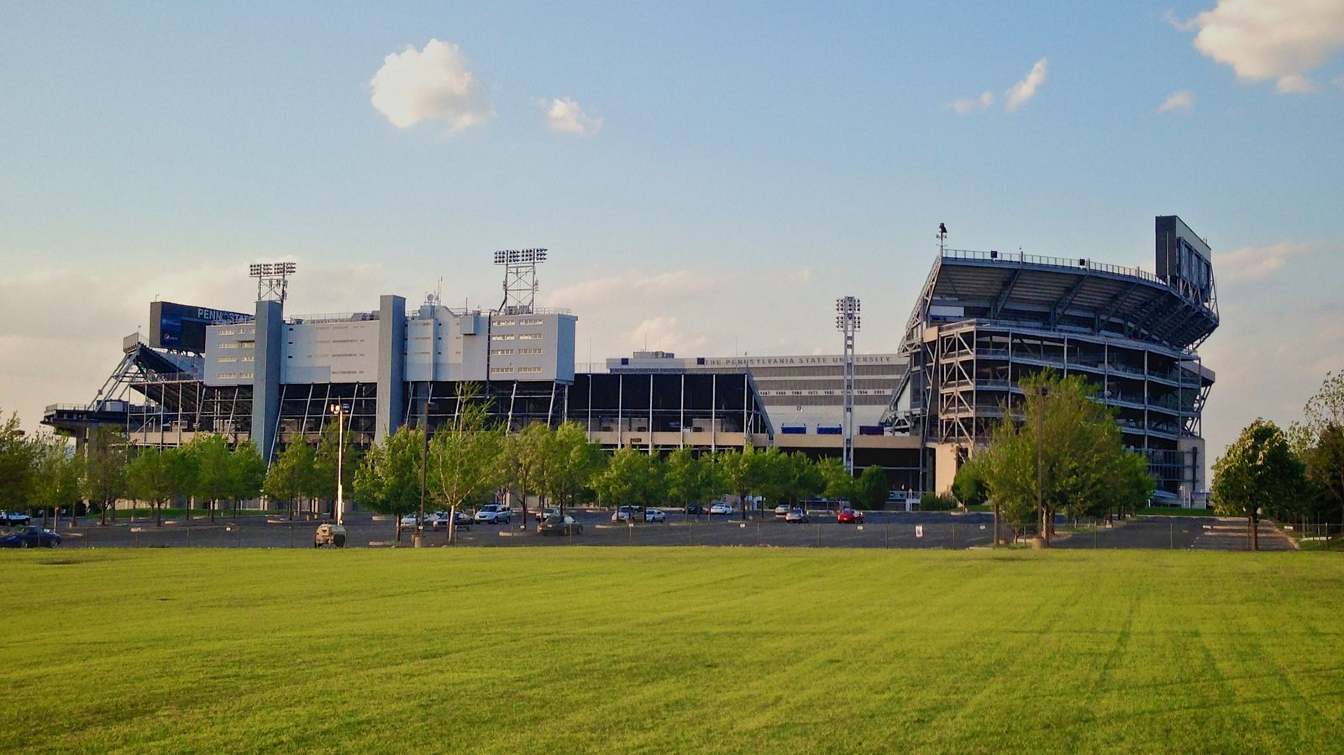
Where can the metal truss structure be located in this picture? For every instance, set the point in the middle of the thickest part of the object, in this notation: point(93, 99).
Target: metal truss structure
point(520, 279)
point(847, 322)
point(985, 320)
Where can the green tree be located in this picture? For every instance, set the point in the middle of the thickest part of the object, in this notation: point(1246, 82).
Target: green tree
point(839, 483)
point(969, 485)
point(1325, 469)
point(631, 478)
point(147, 479)
point(388, 478)
point(524, 460)
point(747, 471)
point(794, 477)
point(570, 463)
point(55, 475)
point(181, 465)
point(464, 463)
point(1065, 454)
point(16, 465)
point(1258, 475)
point(213, 479)
point(871, 489)
point(290, 478)
point(689, 478)
point(329, 457)
point(247, 474)
point(103, 476)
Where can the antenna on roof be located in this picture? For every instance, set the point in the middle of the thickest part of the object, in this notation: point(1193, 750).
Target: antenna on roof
point(942, 237)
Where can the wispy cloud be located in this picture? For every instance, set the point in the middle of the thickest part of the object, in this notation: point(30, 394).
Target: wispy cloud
point(1256, 263)
point(969, 105)
point(566, 116)
point(433, 84)
point(1021, 93)
point(1182, 100)
point(1282, 40)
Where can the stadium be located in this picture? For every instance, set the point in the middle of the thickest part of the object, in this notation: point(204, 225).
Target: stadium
point(982, 321)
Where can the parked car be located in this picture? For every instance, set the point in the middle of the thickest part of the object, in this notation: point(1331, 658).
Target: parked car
point(555, 524)
point(438, 520)
point(796, 516)
point(722, 508)
point(14, 519)
point(548, 511)
point(409, 520)
point(694, 509)
point(493, 514)
point(849, 516)
point(30, 537)
point(655, 515)
point(781, 511)
point(623, 514)
point(329, 534)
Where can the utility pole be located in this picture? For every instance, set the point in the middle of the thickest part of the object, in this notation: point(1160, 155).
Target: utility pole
point(424, 468)
point(1040, 394)
point(339, 411)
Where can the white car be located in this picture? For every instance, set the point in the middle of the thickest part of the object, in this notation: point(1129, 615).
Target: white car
point(493, 514)
point(623, 514)
point(721, 508)
point(409, 520)
point(654, 515)
point(781, 511)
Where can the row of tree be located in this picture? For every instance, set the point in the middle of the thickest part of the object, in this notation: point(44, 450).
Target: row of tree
point(1292, 475)
point(472, 460)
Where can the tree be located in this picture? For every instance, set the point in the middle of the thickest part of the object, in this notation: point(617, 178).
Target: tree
point(1319, 442)
point(1064, 454)
point(55, 478)
point(104, 469)
point(969, 485)
point(181, 467)
point(523, 460)
point(569, 463)
point(16, 465)
point(464, 456)
point(745, 472)
point(388, 478)
point(247, 474)
point(213, 479)
point(793, 477)
point(631, 478)
point(689, 478)
point(329, 456)
point(871, 489)
point(839, 484)
point(1258, 475)
point(147, 479)
point(290, 478)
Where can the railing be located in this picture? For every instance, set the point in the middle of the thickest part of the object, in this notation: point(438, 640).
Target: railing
point(335, 317)
point(1075, 263)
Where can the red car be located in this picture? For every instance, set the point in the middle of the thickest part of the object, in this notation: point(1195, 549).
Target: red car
point(849, 516)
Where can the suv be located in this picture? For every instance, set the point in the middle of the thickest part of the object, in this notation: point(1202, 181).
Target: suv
point(493, 514)
point(329, 534)
point(623, 514)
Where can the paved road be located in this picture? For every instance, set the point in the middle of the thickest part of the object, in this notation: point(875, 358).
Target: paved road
point(882, 530)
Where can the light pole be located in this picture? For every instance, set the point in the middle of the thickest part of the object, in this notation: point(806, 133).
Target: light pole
point(339, 411)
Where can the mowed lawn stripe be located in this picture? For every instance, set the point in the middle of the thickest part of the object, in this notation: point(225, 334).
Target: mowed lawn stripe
point(657, 649)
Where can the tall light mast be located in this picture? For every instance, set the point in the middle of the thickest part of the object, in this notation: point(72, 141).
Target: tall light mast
point(520, 279)
point(847, 322)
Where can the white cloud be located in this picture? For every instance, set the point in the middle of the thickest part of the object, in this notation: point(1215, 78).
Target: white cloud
point(1261, 40)
point(664, 333)
point(1183, 99)
point(432, 84)
point(968, 105)
point(1022, 92)
point(566, 116)
point(1256, 263)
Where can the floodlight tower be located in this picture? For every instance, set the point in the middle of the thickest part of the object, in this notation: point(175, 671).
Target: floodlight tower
point(272, 279)
point(847, 322)
point(520, 278)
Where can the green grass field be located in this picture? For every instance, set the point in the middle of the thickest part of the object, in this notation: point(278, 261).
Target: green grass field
point(654, 649)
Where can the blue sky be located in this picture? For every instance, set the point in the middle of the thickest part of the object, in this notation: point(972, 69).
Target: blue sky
point(753, 162)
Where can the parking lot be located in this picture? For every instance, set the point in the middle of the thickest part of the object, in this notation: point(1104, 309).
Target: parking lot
point(880, 530)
